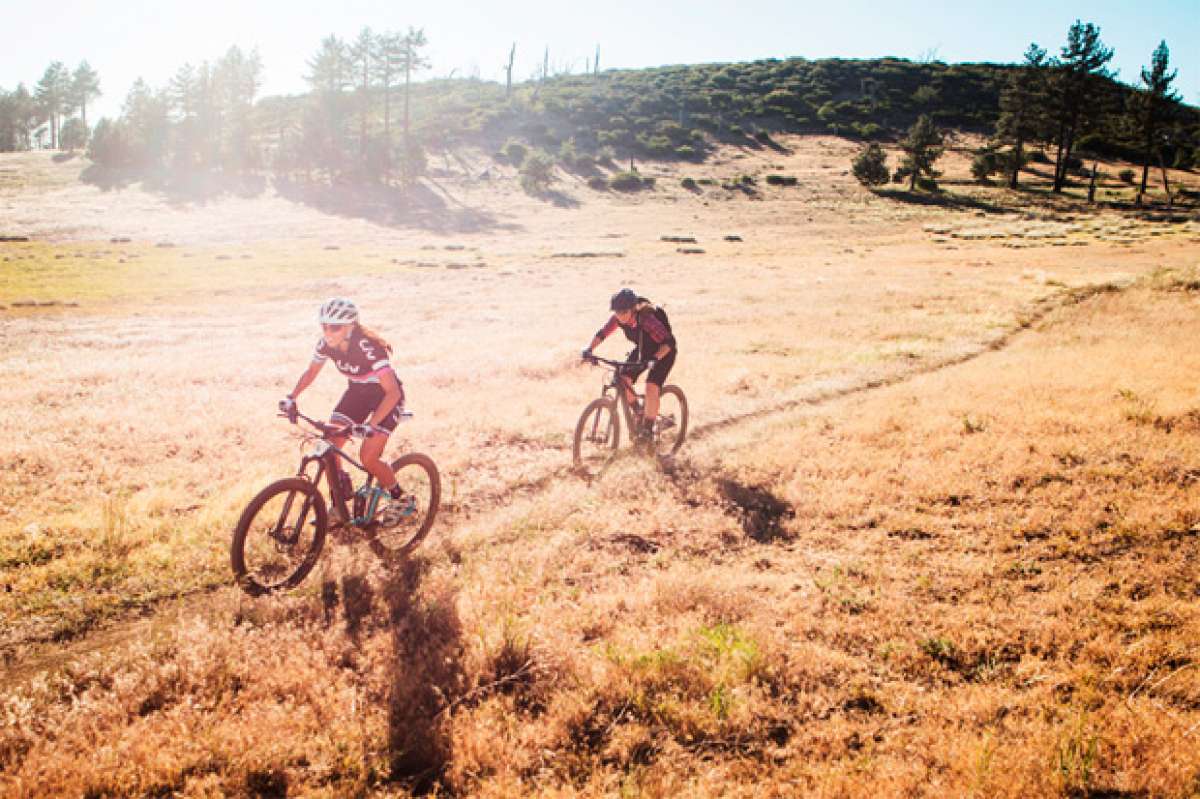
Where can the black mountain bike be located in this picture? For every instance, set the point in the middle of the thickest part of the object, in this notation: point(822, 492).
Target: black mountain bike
point(280, 533)
point(598, 432)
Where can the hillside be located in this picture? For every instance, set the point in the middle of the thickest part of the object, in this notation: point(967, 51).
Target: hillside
point(683, 112)
point(934, 531)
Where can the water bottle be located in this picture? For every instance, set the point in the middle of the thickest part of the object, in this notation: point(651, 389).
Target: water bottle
point(360, 503)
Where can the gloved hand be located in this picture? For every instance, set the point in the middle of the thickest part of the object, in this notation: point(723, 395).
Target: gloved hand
point(287, 405)
point(586, 354)
point(362, 430)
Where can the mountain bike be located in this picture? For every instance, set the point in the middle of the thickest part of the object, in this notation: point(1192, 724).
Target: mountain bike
point(281, 532)
point(598, 432)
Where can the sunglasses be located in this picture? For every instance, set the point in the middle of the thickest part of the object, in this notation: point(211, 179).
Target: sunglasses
point(333, 328)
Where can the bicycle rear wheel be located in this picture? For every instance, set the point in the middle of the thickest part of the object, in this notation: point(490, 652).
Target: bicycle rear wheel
point(418, 478)
point(596, 436)
point(670, 428)
point(279, 537)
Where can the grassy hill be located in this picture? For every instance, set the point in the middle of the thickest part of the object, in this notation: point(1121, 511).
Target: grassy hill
point(681, 111)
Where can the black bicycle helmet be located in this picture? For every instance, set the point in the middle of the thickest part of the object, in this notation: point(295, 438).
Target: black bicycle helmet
point(623, 300)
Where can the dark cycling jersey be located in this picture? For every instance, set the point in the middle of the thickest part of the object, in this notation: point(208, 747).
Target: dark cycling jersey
point(364, 360)
point(648, 325)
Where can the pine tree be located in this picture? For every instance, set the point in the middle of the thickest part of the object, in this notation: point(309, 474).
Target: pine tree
point(362, 56)
point(1155, 106)
point(870, 166)
point(18, 117)
point(1021, 104)
point(411, 61)
point(1083, 61)
point(145, 121)
point(389, 61)
point(237, 78)
point(324, 124)
point(921, 147)
point(85, 87)
point(52, 94)
point(144, 117)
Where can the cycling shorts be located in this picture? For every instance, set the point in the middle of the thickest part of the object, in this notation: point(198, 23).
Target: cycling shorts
point(658, 375)
point(360, 401)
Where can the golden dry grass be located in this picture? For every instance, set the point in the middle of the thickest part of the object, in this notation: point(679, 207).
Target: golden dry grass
point(936, 532)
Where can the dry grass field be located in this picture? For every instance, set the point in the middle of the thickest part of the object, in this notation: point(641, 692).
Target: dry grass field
point(936, 530)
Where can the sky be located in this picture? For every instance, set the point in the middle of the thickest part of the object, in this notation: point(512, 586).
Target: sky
point(139, 38)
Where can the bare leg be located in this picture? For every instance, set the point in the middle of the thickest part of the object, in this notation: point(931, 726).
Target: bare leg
point(652, 395)
point(372, 449)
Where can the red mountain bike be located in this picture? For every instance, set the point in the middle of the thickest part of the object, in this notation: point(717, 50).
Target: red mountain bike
point(598, 432)
point(281, 532)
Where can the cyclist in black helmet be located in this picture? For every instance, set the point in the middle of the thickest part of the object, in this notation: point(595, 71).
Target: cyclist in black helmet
point(373, 400)
point(648, 328)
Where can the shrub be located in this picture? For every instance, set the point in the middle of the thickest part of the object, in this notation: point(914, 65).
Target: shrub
point(110, 146)
point(1038, 157)
point(515, 152)
point(537, 172)
point(657, 145)
point(763, 137)
point(870, 166)
point(1126, 176)
point(626, 181)
point(782, 180)
point(597, 182)
point(73, 135)
point(869, 130)
point(686, 152)
point(689, 184)
point(736, 130)
point(986, 163)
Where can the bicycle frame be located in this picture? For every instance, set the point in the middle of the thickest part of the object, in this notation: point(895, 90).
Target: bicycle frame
point(616, 384)
point(325, 456)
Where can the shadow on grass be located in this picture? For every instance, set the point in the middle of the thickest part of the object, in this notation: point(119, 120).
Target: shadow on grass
point(426, 671)
point(417, 206)
point(942, 199)
point(558, 199)
point(178, 187)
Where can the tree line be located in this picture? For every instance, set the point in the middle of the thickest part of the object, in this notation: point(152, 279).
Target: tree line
point(1064, 104)
point(56, 108)
point(364, 116)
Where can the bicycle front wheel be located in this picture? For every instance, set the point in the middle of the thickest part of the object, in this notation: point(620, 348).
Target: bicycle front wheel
point(596, 436)
point(421, 488)
point(671, 426)
point(279, 537)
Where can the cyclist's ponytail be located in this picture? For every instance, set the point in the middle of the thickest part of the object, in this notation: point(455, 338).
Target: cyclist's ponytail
point(368, 333)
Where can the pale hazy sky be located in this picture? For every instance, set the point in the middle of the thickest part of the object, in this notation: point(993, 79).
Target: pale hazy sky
point(125, 40)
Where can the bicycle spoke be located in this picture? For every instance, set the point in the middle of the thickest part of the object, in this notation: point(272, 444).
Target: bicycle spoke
point(414, 512)
point(278, 538)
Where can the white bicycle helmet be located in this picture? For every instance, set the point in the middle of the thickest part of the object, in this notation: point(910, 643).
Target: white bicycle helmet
point(338, 311)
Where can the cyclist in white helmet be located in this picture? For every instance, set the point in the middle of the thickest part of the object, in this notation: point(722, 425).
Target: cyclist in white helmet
point(373, 400)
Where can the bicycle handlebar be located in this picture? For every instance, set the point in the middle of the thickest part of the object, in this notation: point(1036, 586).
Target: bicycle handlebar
point(328, 430)
point(596, 359)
